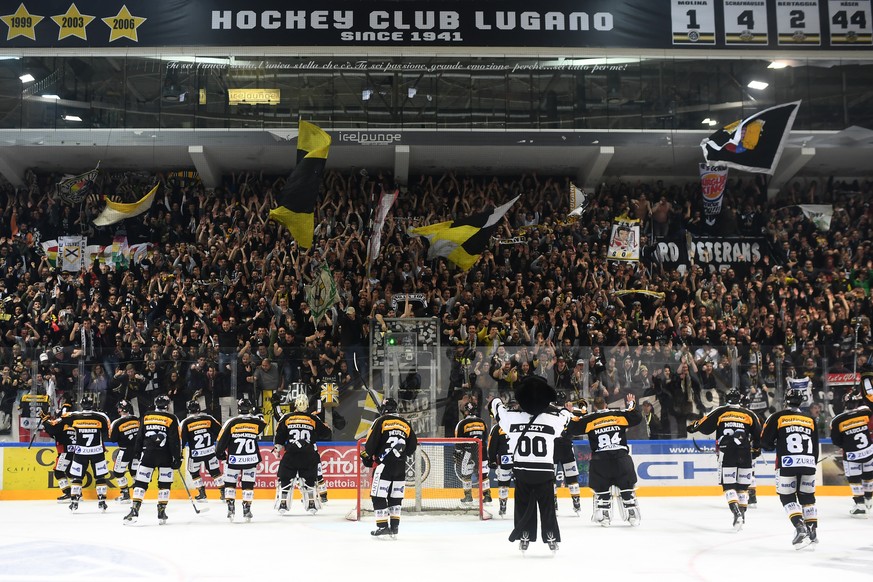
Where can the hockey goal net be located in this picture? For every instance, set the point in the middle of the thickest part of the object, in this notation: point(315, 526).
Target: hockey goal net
point(433, 481)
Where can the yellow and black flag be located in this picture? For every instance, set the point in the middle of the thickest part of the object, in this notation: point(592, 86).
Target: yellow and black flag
point(296, 201)
point(463, 240)
point(753, 144)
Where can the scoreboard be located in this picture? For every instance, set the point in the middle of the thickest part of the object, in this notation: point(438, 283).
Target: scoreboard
point(505, 24)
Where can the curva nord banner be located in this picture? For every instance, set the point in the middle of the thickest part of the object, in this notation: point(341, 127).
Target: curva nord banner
point(591, 24)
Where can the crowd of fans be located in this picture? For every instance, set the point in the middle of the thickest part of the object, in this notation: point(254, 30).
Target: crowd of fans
point(220, 297)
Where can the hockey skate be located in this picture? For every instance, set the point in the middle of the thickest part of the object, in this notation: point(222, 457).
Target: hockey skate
point(101, 505)
point(124, 497)
point(739, 518)
point(812, 528)
point(801, 537)
point(247, 510)
point(577, 505)
point(394, 530)
point(231, 509)
point(603, 519)
point(468, 497)
point(859, 511)
point(311, 508)
point(381, 531)
point(74, 503)
point(65, 498)
point(486, 496)
point(162, 513)
point(753, 499)
point(633, 516)
point(323, 496)
point(553, 543)
point(524, 542)
point(201, 495)
point(502, 511)
point(133, 514)
point(283, 507)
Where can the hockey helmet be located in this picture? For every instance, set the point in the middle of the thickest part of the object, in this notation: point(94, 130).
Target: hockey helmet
point(389, 405)
point(245, 406)
point(162, 402)
point(87, 402)
point(301, 403)
point(853, 399)
point(125, 407)
point(733, 396)
point(193, 407)
point(471, 409)
point(796, 392)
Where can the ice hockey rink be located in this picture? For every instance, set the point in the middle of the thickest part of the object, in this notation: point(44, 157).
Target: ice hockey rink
point(679, 539)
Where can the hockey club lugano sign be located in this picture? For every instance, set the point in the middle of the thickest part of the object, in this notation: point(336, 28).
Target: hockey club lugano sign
point(590, 24)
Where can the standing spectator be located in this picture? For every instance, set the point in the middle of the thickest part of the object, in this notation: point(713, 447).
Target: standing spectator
point(353, 340)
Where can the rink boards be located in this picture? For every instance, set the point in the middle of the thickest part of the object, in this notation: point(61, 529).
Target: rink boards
point(664, 468)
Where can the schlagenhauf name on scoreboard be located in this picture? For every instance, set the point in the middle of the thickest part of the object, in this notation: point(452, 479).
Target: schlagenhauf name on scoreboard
point(391, 25)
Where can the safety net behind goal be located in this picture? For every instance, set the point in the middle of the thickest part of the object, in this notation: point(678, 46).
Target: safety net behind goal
point(435, 477)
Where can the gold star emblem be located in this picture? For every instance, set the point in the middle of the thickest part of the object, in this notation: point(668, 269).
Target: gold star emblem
point(123, 25)
point(72, 23)
point(21, 23)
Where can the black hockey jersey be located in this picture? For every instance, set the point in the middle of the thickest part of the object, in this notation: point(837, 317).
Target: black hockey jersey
point(159, 440)
point(737, 429)
point(850, 431)
point(390, 433)
point(199, 434)
point(607, 429)
point(238, 439)
point(124, 430)
point(91, 430)
point(298, 432)
point(791, 433)
point(498, 447)
point(471, 427)
point(64, 434)
point(531, 438)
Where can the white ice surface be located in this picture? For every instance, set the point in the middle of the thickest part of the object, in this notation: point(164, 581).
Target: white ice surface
point(679, 540)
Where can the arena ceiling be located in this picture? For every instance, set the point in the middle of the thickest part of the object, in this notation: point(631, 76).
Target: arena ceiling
point(589, 155)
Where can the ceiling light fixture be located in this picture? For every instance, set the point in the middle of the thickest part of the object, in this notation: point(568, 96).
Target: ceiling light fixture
point(758, 85)
point(27, 78)
point(72, 118)
point(777, 65)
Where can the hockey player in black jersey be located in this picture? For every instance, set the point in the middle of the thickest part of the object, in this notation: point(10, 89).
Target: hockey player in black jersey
point(123, 432)
point(565, 455)
point(159, 446)
point(737, 442)
point(850, 431)
point(500, 459)
point(296, 435)
point(532, 432)
point(466, 455)
point(199, 435)
point(91, 429)
point(792, 434)
point(65, 445)
point(238, 443)
point(390, 442)
point(611, 463)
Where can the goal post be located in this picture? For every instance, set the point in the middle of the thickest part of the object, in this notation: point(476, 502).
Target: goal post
point(434, 484)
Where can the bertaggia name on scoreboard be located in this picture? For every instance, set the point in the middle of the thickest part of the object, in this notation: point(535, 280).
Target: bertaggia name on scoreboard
point(592, 24)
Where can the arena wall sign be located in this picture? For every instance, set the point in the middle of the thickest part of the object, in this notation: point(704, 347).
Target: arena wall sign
point(590, 24)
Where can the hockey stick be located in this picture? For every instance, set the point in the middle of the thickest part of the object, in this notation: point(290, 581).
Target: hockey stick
point(197, 510)
point(35, 432)
point(376, 400)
